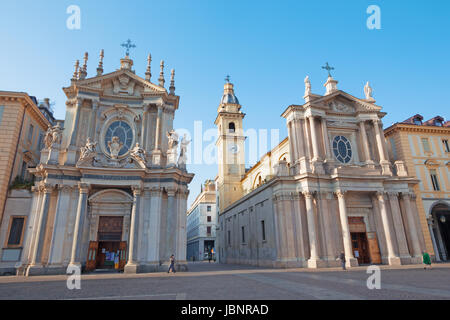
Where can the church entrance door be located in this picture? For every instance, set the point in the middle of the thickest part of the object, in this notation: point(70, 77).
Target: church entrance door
point(110, 247)
point(360, 247)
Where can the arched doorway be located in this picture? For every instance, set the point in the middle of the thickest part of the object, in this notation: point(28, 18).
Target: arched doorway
point(441, 229)
point(109, 225)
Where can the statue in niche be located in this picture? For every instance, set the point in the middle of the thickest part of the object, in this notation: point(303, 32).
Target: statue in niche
point(183, 151)
point(53, 136)
point(88, 151)
point(48, 137)
point(114, 147)
point(173, 140)
point(138, 153)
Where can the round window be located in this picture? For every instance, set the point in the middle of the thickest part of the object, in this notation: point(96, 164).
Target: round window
point(342, 149)
point(123, 131)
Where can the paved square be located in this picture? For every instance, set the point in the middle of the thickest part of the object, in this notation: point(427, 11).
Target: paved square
point(219, 282)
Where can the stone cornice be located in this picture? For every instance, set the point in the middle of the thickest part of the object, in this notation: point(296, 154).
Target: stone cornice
point(415, 128)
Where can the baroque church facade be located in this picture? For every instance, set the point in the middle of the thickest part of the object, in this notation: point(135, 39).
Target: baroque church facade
point(327, 188)
point(111, 188)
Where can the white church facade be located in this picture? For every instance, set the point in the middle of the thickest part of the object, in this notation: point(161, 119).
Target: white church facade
point(111, 188)
point(325, 189)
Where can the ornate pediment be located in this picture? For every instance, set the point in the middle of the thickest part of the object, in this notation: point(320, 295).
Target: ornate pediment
point(121, 82)
point(342, 102)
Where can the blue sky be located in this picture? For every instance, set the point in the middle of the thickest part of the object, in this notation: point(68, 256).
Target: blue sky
point(267, 47)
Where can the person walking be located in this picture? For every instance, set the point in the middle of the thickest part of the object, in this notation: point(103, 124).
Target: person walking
point(342, 257)
point(426, 260)
point(172, 264)
point(209, 257)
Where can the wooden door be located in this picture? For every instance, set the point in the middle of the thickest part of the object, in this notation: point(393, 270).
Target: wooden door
point(122, 255)
point(374, 249)
point(92, 256)
point(360, 247)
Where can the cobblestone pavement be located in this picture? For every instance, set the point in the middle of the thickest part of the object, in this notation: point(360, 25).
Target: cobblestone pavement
point(206, 281)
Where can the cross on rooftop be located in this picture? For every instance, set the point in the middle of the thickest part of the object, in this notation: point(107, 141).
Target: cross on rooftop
point(128, 45)
point(227, 78)
point(328, 68)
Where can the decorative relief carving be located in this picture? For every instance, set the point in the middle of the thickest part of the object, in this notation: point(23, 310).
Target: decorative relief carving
point(339, 106)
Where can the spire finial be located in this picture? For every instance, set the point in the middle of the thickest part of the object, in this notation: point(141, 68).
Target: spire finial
point(172, 82)
point(83, 71)
point(100, 63)
point(227, 78)
point(148, 73)
point(86, 56)
point(77, 68)
point(161, 74)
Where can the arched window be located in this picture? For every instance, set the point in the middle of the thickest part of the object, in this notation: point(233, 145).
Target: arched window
point(231, 127)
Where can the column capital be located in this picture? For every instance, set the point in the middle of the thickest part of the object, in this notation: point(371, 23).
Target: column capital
point(136, 190)
point(171, 191)
point(380, 195)
point(46, 187)
point(392, 194)
point(83, 187)
point(340, 193)
point(309, 194)
point(407, 195)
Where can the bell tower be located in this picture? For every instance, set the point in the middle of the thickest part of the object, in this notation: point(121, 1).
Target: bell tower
point(230, 147)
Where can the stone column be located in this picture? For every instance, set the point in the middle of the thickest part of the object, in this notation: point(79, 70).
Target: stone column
point(278, 227)
point(293, 142)
point(315, 144)
point(416, 252)
point(155, 225)
point(156, 153)
point(348, 250)
point(59, 228)
point(385, 164)
point(144, 127)
point(79, 224)
point(171, 222)
point(286, 205)
point(33, 222)
point(73, 140)
point(132, 265)
point(181, 229)
point(365, 144)
point(392, 257)
point(328, 225)
point(36, 255)
point(92, 123)
point(398, 225)
point(313, 243)
point(325, 139)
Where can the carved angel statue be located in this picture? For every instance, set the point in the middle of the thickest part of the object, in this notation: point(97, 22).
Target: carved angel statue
point(53, 136)
point(138, 152)
point(183, 150)
point(307, 86)
point(368, 91)
point(114, 147)
point(88, 150)
point(57, 134)
point(48, 137)
point(173, 139)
